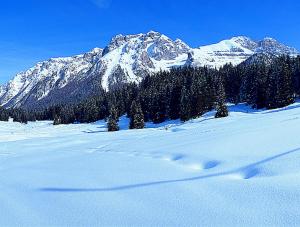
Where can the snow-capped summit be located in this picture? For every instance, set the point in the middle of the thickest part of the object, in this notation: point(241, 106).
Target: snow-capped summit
point(127, 58)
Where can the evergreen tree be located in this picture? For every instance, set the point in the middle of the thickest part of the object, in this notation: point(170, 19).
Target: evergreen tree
point(4, 115)
point(136, 116)
point(221, 107)
point(112, 124)
point(185, 106)
point(174, 104)
point(57, 120)
point(20, 115)
point(285, 87)
point(233, 79)
point(198, 98)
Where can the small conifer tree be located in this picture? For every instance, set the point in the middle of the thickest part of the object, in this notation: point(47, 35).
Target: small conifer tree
point(221, 107)
point(136, 116)
point(112, 123)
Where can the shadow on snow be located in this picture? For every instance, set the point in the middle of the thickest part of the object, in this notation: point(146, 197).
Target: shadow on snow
point(249, 171)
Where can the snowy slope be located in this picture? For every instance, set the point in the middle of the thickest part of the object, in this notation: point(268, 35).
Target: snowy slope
point(45, 76)
point(127, 58)
point(243, 170)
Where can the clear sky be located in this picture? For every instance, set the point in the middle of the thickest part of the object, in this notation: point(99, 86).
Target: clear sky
point(35, 30)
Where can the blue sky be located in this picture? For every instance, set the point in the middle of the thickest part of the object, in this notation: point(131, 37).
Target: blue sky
point(35, 30)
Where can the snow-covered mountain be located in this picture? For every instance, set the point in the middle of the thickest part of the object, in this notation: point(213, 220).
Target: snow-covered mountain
point(45, 77)
point(125, 59)
point(236, 50)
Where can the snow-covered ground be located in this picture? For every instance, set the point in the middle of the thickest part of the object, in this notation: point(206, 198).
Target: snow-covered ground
point(243, 170)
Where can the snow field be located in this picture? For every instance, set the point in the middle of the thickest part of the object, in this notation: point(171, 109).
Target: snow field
point(243, 170)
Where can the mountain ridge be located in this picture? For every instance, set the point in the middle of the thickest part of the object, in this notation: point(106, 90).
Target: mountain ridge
point(127, 58)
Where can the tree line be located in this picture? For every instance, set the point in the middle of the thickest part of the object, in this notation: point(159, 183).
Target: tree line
point(181, 93)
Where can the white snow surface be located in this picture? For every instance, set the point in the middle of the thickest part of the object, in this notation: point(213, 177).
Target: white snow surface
point(243, 170)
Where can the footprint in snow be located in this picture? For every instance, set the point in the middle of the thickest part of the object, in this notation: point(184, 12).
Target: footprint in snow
point(210, 164)
point(246, 173)
point(249, 173)
point(180, 159)
point(173, 157)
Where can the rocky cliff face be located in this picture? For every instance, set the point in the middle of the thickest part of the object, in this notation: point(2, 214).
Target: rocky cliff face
point(125, 59)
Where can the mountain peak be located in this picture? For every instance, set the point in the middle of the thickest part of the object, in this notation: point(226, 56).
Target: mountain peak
point(120, 38)
point(269, 39)
point(96, 50)
point(153, 33)
point(241, 37)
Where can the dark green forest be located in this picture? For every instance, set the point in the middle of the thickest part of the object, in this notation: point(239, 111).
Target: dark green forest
point(181, 93)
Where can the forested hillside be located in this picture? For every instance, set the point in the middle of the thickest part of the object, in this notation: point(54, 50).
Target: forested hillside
point(183, 93)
